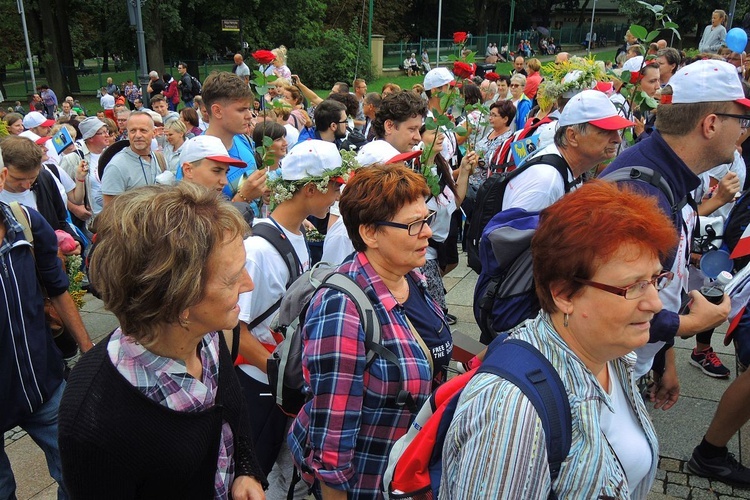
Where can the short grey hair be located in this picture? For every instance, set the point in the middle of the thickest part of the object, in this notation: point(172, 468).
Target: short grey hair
point(153, 74)
point(561, 141)
point(518, 77)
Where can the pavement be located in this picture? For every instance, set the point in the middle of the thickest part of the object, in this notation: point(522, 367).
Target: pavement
point(679, 429)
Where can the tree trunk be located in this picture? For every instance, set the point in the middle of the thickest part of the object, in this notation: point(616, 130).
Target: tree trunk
point(66, 45)
point(480, 10)
point(155, 43)
point(582, 14)
point(53, 70)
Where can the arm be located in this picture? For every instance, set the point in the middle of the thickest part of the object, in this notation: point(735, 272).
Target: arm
point(334, 354)
point(495, 429)
point(80, 174)
point(726, 189)
point(666, 390)
point(251, 349)
point(468, 164)
point(72, 319)
point(311, 96)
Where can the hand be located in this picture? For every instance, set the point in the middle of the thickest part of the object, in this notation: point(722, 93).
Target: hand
point(309, 226)
point(469, 162)
point(640, 126)
point(295, 80)
point(728, 187)
point(703, 315)
point(80, 211)
point(247, 488)
point(253, 186)
point(82, 171)
point(666, 390)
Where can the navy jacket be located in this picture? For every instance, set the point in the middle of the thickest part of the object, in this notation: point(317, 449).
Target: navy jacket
point(31, 368)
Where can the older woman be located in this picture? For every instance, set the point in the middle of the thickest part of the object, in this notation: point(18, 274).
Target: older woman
point(341, 438)
point(669, 60)
point(155, 410)
point(519, 100)
point(14, 123)
point(714, 34)
point(189, 116)
point(298, 117)
point(597, 301)
point(174, 132)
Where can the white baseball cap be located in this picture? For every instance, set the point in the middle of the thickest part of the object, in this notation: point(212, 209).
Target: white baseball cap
point(633, 64)
point(90, 126)
point(709, 80)
point(36, 119)
point(594, 107)
point(207, 147)
point(437, 78)
point(311, 158)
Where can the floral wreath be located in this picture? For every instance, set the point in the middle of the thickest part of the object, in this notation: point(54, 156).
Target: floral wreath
point(283, 190)
point(554, 85)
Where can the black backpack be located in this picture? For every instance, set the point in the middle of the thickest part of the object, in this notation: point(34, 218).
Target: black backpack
point(490, 201)
point(195, 86)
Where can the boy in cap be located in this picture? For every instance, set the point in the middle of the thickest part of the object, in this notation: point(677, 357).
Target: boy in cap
point(702, 113)
point(204, 160)
point(310, 182)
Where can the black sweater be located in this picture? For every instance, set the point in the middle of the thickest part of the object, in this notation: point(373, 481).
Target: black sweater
point(115, 443)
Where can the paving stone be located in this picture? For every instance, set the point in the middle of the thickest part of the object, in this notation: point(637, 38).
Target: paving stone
point(678, 491)
point(657, 496)
point(722, 488)
point(699, 482)
point(29, 467)
point(677, 478)
point(669, 464)
point(661, 474)
point(741, 493)
point(699, 494)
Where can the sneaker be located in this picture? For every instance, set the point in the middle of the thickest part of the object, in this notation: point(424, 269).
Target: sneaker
point(725, 469)
point(709, 363)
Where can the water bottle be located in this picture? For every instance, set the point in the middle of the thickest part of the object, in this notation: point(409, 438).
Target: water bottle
point(714, 292)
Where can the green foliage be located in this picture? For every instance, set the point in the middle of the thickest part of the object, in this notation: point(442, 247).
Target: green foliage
point(333, 58)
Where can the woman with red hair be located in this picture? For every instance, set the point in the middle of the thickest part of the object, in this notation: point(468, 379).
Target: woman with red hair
point(597, 268)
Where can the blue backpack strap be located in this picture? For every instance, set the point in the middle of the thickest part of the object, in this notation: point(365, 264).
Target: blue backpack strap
point(522, 364)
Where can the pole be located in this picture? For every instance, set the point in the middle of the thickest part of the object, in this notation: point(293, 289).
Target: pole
point(141, 42)
point(28, 47)
point(510, 25)
point(591, 29)
point(440, 22)
point(369, 29)
point(732, 8)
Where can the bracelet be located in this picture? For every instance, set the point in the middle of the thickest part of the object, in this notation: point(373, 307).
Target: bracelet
point(243, 197)
point(81, 180)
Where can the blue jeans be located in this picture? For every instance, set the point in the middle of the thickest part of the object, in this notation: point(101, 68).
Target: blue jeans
point(42, 427)
point(188, 103)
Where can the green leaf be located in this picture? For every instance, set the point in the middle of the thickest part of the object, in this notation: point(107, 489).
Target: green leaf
point(444, 101)
point(271, 78)
point(460, 130)
point(430, 124)
point(638, 31)
point(452, 57)
point(671, 25)
point(267, 141)
point(258, 75)
point(657, 8)
point(650, 102)
point(652, 36)
point(676, 33)
point(443, 120)
point(262, 90)
point(625, 76)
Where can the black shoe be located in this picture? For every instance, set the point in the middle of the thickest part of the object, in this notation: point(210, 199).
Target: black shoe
point(725, 469)
point(450, 319)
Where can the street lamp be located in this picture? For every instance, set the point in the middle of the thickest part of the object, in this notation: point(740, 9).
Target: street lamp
point(28, 47)
point(136, 19)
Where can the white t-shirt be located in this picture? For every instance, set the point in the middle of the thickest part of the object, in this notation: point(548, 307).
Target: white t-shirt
point(107, 102)
point(292, 135)
point(444, 206)
point(64, 184)
point(26, 198)
point(337, 246)
point(270, 274)
point(624, 433)
point(538, 187)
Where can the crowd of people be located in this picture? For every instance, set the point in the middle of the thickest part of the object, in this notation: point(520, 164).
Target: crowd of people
point(195, 221)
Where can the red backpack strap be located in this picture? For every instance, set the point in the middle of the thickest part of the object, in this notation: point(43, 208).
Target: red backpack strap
point(501, 153)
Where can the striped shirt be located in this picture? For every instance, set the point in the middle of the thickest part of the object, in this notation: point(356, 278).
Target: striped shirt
point(344, 434)
point(495, 447)
point(166, 381)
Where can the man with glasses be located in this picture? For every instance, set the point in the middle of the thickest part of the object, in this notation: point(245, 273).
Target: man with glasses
point(94, 140)
point(330, 123)
point(701, 116)
point(360, 90)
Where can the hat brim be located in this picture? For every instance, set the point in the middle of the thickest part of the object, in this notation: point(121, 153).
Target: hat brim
point(228, 160)
point(408, 156)
point(47, 123)
point(745, 102)
point(615, 122)
point(42, 140)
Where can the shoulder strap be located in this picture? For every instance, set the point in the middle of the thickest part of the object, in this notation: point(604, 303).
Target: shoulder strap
point(648, 176)
point(53, 169)
point(23, 218)
point(371, 325)
point(522, 364)
point(161, 160)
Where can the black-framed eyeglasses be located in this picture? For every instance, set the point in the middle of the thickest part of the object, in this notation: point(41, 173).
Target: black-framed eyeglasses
point(744, 119)
point(635, 290)
point(343, 121)
point(414, 228)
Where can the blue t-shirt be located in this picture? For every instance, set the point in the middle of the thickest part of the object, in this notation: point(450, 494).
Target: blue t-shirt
point(242, 149)
point(432, 328)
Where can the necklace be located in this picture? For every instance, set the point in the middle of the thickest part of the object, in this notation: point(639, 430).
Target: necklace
point(402, 296)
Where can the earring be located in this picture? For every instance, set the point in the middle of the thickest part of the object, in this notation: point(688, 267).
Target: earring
point(565, 319)
point(184, 322)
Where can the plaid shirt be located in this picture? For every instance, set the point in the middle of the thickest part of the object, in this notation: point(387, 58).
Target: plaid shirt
point(166, 381)
point(344, 434)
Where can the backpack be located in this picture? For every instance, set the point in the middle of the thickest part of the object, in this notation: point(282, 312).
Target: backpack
point(490, 201)
point(734, 227)
point(284, 367)
point(504, 294)
point(195, 86)
point(415, 461)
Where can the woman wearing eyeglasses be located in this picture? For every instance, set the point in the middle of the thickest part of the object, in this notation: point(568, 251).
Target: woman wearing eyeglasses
point(597, 300)
point(341, 438)
point(519, 99)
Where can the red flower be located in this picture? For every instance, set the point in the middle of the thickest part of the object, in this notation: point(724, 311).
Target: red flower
point(263, 56)
point(462, 69)
point(635, 77)
point(491, 76)
point(459, 37)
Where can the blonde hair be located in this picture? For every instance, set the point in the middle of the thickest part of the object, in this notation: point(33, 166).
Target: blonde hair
point(177, 126)
point(154, 244)
point(280, 53)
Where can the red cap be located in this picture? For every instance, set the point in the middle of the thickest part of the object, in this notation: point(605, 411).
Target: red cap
point(408, 156)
